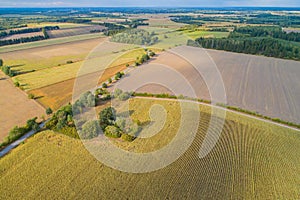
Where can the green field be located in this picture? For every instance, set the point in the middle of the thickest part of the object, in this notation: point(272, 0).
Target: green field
point(171, 37)
point(252, 160)
point(196, 34)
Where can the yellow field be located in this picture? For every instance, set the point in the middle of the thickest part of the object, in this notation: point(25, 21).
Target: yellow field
point(61, 25)
point(54, 72)
point(57, 90)
point(252, 160)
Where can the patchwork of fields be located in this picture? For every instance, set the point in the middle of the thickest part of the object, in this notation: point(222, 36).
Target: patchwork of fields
point(67, 32)
point(255, 83)
point(251, 160)
point(49, 72)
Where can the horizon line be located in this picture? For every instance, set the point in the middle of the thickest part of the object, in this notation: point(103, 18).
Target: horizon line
point(169, 7)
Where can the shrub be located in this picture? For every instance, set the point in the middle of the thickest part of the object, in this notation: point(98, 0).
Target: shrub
point(69, 62)
point(36, 127)
point(30, 96)
point(1, 62)
point(109, 80)
point(128, 138)
point(49, 111)
point(124, 96)
point(104, 85)
point(112, 131)
point(52, 123)
point(70, 131)
point(151, 54)
point(17, 84)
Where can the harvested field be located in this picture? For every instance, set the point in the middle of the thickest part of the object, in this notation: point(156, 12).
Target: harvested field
point(59, 94)
point(67, 32)
point(15, 106)
point(93, 62)
point(49, 42)
point(24, 35)
point(241, 166)
point(265, 85)
point(61, 25)
point(49, 56)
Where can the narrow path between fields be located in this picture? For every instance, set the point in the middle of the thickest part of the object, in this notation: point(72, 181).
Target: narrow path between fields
point(13, 145)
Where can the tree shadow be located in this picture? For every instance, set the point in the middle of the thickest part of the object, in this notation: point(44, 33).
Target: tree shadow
point(3, 78)
point(38, 97)
point(20, 72)
point(20, 65)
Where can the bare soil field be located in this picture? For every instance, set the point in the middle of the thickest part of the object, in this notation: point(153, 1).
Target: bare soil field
point(67, 32)
point(24, 35)
point(15, 106)
point(268, 86)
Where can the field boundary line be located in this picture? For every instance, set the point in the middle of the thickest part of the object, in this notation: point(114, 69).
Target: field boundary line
point(21, 91)
point(222, 108)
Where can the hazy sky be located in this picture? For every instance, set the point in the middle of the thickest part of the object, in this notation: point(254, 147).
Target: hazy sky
point(145, 3)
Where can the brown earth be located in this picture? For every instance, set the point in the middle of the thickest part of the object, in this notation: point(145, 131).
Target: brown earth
point(269, 86)
point(15, 106)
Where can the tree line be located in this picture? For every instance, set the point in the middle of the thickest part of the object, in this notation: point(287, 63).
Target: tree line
point(258, 46)
point(21, 40)
point(27, 30)
point(265, 31)
point(135, 36)
point(17, 132)
point(28, 39)
point(257, 40)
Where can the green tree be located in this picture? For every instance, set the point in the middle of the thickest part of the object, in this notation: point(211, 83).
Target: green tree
point(107, 117)
point(30, 123)
point(36, 127)
point(91, 100)
point(104, 85)
point(109, 80)
point(1, 62)
point(49, 111)
point(90, 129)
point(118, 76)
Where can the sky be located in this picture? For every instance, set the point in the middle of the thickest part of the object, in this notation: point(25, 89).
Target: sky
point(149, 3)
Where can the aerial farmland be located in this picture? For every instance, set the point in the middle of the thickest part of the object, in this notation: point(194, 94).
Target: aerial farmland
point(142, 102)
